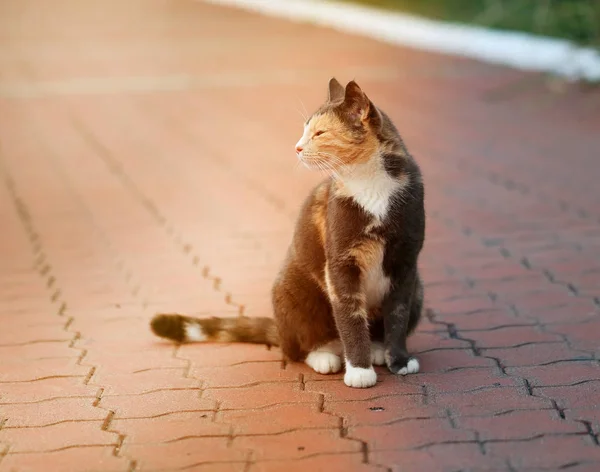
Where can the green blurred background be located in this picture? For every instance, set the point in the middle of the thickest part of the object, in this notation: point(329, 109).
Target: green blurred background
point(576, 20)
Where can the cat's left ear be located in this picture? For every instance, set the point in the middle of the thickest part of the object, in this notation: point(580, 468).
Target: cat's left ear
point(336, 91)
point(356, 102)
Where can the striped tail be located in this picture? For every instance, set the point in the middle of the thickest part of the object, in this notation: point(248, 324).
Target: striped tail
point(241, 329)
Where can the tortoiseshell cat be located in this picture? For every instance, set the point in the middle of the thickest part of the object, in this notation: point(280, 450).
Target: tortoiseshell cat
point(350, 284)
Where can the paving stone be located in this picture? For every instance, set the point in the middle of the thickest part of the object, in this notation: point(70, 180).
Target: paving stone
point(58, 436)
point(147, 166)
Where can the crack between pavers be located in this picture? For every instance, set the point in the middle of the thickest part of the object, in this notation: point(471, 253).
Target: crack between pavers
point(209, 463)
point(574, 384)
point(39, 379)
point(590, 431)
point(534, 437)
point(523, 261)
point(376, 397)
point(269, 406)
point(169, 413)
point(311, 456)
point(28, 343)
point(45, 269)
point(251, 384)
point(565, 338)
point(135, 289)
point(65, 448)
point(540, 364)
point(129, 184)
point(215, 411)
point(186, 248)
point(44, 400)
point(146, 392)
point(530, 389)
point(4, 449)
point(47, 425)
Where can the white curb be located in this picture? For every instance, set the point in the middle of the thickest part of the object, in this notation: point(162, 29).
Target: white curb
point(518, 50)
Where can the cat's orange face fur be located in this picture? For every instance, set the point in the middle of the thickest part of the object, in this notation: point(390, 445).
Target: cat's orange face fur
point(339, 135)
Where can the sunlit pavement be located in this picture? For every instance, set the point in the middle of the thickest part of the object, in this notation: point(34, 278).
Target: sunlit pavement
point(147, 164)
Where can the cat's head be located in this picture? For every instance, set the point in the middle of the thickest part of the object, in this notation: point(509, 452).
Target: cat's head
point(342, 132)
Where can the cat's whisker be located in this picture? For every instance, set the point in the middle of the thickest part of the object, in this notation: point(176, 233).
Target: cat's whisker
point(304, 118)
point(297, 165)
point(304, 114)
point(342, 166)
point(326, 167)
point(323, 164)
point(304, 108)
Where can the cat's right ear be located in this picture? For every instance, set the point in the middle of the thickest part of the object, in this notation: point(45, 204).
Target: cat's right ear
point(336, 91)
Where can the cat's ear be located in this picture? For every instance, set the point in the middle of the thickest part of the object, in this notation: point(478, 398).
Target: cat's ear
point(356, 102)
point(336, 91)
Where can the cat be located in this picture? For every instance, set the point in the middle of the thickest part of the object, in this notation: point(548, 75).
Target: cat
point(349, 286)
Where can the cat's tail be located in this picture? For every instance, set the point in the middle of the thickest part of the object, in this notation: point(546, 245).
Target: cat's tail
point(241, 329)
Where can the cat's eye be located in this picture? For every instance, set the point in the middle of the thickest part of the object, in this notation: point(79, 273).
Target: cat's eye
point(319, 133)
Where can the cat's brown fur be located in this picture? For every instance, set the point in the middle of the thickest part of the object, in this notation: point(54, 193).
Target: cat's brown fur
point(350, 273)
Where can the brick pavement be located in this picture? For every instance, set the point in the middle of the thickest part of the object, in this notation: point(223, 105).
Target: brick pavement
point(146, 163)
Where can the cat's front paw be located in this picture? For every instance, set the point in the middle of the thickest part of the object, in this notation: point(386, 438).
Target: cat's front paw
point(402, 365)
point(358, 377)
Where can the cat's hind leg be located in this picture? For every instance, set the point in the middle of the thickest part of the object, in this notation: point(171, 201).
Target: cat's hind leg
point(326, 359)
point(306, 326)
point(377, 353)
point(377, 345)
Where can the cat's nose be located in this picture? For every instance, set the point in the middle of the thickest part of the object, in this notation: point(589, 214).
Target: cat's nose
point(299, 149)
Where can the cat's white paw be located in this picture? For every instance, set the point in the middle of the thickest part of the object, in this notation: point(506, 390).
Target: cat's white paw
point(412, 367)
point(377, 354)
point(324, 362)
point(357, 377)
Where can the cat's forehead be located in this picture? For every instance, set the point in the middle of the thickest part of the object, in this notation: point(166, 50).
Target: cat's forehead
point(323, 119)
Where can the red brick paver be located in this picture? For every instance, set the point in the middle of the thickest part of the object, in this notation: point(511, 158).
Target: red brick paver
point(146, 164)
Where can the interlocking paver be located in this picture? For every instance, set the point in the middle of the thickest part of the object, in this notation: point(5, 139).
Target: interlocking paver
point(329, 462)
point(561, 373)
point(33, 370)
point(546, 452)
point(58, 436)
point(53, 411)
point(171, 427)
point(145, 165)
point(93, 459)
point(410, 434)
point(491, 401)
point(519, 425)
point(243, 375)
point(536, 354)
point(261, 396)
point(383, 409)
point(157, 403)
point(142, 382)
point(185, 453)
point(441, 456)
point(297, 444)
point(278, 419)
point(510, 337)
point(578, 395)
point(46, 389)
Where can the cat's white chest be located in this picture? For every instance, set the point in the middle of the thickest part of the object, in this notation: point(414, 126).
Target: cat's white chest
point(376, 283)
